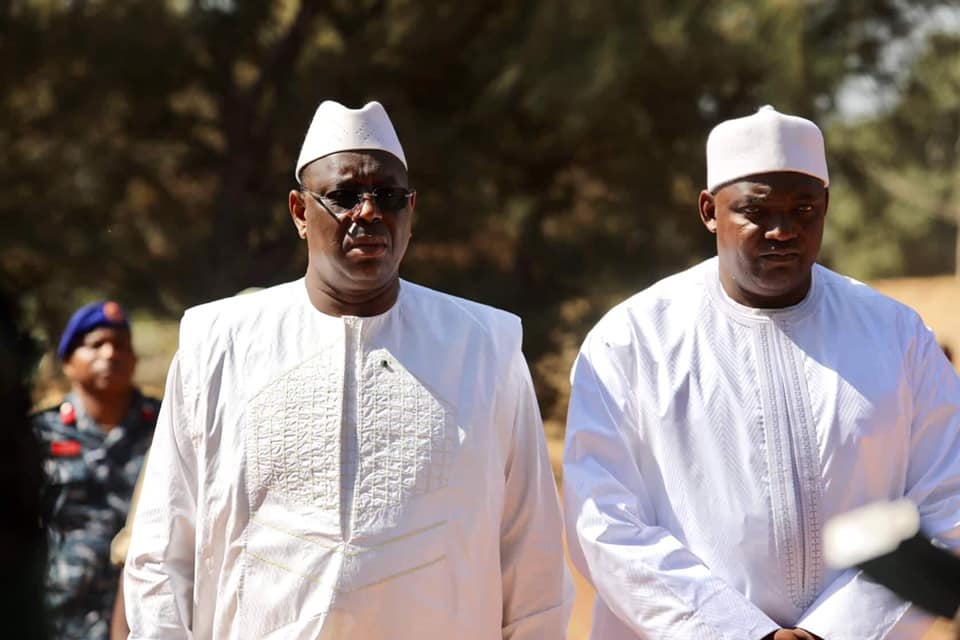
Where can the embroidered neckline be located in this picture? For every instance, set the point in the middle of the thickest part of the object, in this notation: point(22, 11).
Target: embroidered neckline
point(754, 315)
point(363, 321)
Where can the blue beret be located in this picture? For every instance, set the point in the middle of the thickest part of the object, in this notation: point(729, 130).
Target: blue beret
point(105, 313)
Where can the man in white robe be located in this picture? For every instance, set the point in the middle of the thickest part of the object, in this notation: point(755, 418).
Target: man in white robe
point(721, 416)
point(348, 455)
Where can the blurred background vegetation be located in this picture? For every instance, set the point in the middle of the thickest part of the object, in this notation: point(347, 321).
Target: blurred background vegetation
point(147, 146)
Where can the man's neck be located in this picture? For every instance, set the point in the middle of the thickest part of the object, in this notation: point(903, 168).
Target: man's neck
point(754, 300)
point(106, 409)
point(361, 304)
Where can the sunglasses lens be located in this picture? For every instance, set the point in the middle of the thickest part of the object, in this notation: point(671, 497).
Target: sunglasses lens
point(386, 199)
point(390, 199)
point(344, 198)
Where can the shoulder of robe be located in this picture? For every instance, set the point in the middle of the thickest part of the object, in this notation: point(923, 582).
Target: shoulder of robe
point(682, 292)
point(501, 327)
point(861, 298)
point(652, 316)
point(208, 322)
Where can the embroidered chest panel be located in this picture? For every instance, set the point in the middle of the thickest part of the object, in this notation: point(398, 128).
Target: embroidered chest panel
point(360, 416)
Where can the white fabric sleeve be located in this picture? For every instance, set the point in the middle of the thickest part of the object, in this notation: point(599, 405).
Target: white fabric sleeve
point(853, 606)
point(933, 484)
point(159, 573)
point(537, 590)
point(655, 585)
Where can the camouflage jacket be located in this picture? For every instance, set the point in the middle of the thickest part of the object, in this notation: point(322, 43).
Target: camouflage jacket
point(89, 479)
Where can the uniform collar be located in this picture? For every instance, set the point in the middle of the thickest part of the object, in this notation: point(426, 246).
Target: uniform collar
point(91, 428)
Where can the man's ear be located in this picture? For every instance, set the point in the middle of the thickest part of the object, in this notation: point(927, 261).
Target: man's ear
point(298, 211)
point(708, 211)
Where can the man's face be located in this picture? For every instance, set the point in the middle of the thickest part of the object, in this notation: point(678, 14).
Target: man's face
point(103, 361)
point(359, 255)
point(769, 228)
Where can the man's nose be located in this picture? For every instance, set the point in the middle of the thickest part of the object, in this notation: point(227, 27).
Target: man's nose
point(367, 211)
point(782, 227)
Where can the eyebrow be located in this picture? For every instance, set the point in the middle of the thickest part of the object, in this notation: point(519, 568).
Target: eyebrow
point(353, 183)
point(751, 198)
point(748, 199)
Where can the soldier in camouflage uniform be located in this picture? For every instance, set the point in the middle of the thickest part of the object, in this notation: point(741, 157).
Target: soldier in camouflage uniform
point(94, 443)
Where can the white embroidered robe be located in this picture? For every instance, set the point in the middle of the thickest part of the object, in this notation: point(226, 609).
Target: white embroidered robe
point(707, 443)
point(321, 477)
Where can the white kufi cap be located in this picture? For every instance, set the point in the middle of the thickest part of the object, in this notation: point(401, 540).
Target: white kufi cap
point(765, 142)
point(336, 128)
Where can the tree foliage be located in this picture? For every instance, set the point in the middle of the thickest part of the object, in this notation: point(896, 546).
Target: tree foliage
point(147, 146)
point(900, 175)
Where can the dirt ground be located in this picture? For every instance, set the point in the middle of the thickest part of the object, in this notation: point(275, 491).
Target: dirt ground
point(936, 299)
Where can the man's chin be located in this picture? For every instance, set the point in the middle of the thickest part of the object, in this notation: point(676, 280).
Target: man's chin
point(786, 287)
point(782, 276)
point(371, 271)
point(113, 384)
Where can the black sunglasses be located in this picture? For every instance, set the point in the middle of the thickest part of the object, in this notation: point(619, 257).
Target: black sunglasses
point(340, 202)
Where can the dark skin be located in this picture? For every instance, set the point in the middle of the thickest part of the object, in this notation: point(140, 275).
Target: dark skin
point(119, 630)
point(769, 228)
point(353, 265)
point(100, 369)
point(791, 634)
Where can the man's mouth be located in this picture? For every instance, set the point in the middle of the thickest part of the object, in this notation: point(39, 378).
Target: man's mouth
point(366, 247)
point(780, 256)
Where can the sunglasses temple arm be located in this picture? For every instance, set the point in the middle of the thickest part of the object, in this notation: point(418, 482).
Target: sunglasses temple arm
point(327, 209)
point(333, 215)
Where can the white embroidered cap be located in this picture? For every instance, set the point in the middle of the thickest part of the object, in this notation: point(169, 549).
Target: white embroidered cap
point(764, 142)
point(336, 128)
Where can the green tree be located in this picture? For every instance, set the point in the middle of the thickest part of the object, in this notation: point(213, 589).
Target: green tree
point(899, 175)
point(146, 147)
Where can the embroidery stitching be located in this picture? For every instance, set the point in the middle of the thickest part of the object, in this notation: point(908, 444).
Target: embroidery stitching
point(777, 477)
point(810, 477)
point(407, 435)
point(351, 551)
point(317, 581)
point(292, 451)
